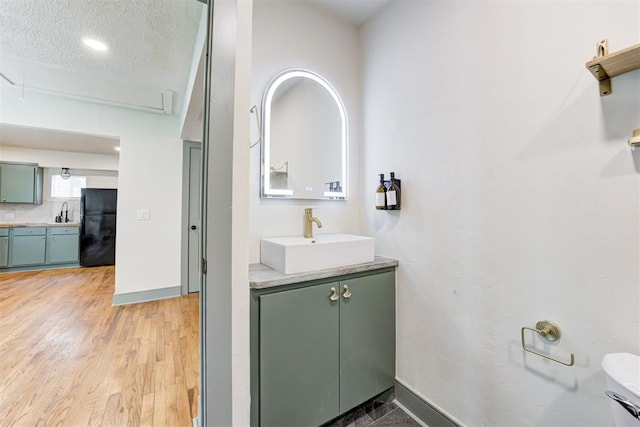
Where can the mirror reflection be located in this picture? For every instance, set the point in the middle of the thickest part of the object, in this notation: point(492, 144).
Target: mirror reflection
point(304, 135)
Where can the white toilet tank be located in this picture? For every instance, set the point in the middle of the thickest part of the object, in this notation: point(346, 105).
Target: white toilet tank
point(623, 385)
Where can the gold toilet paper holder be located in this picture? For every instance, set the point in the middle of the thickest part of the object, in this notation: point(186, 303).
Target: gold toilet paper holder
point(550, 332)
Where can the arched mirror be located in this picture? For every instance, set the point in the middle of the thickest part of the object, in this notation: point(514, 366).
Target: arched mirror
point(304, 138)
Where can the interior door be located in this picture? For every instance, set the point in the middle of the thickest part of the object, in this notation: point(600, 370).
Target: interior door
point(193, 276)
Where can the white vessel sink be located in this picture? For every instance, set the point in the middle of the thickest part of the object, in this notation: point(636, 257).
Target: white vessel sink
point(298, 254)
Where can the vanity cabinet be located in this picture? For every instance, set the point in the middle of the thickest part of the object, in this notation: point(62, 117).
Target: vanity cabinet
point(4, 247)
point(321, 348)
point(27, 246)
point(63, 245)
point(20, 183)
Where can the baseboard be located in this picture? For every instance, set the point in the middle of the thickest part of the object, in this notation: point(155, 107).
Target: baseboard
point(427, 412)
point(144, 296)
point(39, 267)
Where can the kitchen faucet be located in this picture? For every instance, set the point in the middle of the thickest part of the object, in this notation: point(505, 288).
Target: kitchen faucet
point(66, 212)
point(309, 219)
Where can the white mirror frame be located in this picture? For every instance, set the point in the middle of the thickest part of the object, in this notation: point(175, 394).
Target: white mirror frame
point(266, 190)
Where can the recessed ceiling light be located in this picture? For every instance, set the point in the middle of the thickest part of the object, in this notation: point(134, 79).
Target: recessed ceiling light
point(117, 148)
point(95, 44)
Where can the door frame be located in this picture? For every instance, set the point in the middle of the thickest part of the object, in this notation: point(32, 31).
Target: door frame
point(184, 245)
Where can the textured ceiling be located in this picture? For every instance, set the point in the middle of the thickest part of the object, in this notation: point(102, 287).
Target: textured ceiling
point(355, 11)
point(150, 46)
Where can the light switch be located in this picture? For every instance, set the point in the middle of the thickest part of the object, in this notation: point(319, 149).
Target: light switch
point(143, 215)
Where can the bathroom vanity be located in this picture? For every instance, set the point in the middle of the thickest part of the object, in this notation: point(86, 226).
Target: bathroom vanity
point(322, 342)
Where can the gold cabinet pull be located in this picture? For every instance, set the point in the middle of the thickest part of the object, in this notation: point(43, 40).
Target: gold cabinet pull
point(346, 294)
point(334, 294)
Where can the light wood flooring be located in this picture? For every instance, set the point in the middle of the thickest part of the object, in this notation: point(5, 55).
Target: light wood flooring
point(68, 358)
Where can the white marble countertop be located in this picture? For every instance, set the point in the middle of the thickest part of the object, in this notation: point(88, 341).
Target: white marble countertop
point(261, 276)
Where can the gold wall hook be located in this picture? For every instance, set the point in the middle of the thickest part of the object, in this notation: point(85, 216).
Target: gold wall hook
point(634, 141)
point(284, 168)
point(602, 48)
point(549, 331)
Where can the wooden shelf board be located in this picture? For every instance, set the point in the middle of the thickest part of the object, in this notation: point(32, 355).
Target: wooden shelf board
point(615, 63)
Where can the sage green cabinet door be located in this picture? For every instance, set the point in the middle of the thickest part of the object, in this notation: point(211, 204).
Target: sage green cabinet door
point(62, 248)
point(367, 338)
point(27, 250)
point(17, 183)
point(299, 366)
point(4, 251)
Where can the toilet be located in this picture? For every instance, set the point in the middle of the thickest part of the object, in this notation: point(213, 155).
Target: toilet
point(623, 387)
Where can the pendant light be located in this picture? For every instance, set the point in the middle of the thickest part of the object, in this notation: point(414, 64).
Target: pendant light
point(65, 174)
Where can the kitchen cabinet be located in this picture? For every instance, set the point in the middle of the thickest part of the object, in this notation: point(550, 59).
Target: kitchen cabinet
point(39, 247)
point(321, 348)
point(4, 247)
point(20, 183)
point(27, 246)
point(63, 244)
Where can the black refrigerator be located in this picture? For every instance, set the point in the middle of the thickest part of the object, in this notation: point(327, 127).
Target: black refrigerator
point(98, 226)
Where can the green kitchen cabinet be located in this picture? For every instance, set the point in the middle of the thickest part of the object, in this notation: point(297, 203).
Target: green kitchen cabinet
point(322, 348)
point(63, 245)
point(4, 247)
point(20, 183)
point(27, 246)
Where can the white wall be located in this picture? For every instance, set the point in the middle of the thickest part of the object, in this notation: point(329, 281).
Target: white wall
point(520, 200)
point(292, 34)
point(147, 252)
point(193, 104)
point(225, 330)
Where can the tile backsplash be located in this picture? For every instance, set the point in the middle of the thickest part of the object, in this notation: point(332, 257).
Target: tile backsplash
point(46, 212)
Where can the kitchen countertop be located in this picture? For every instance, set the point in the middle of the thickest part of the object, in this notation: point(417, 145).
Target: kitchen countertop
point(262, 276)
point(38, 224)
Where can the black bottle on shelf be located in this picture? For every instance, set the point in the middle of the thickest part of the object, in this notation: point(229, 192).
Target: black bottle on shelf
point(381, 194)
point(393, 194)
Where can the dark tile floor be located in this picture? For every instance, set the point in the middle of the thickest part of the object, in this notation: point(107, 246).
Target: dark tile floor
point(375, 414)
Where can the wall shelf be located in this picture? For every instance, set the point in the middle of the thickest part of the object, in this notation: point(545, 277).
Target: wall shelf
point(607, 65)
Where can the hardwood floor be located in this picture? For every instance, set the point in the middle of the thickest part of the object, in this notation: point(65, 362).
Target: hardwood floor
point(68, 358)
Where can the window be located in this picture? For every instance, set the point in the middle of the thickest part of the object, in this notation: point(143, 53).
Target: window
point(67, 188)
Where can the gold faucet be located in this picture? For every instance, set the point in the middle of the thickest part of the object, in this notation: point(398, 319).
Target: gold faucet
point(309, 219)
